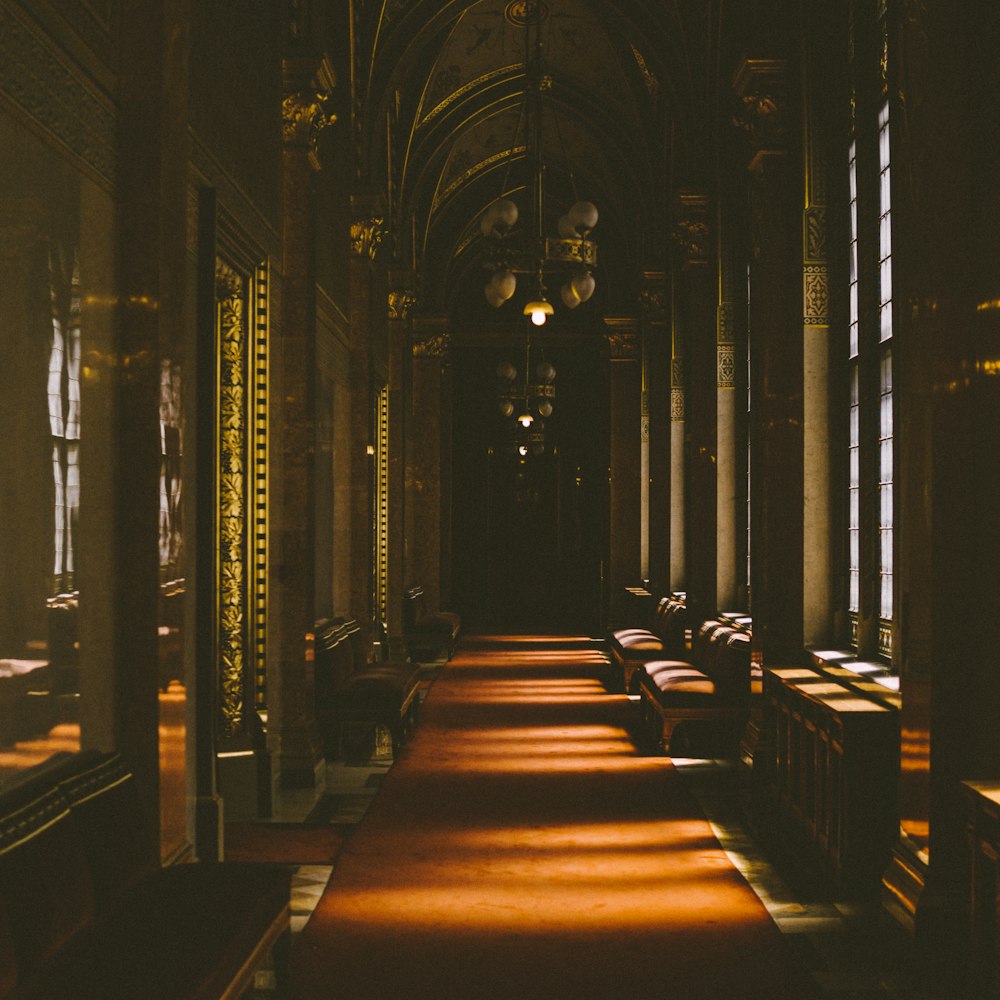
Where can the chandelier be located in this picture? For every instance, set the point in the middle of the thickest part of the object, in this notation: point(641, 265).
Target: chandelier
point(567, 258)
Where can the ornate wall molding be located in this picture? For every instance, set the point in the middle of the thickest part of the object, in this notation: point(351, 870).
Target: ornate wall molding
point(438, 346)
point(367, 236)
point(60, 101)
point(400, 303)
point(231, 511)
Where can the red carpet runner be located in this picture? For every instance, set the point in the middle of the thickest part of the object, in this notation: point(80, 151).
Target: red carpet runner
point(521, 849)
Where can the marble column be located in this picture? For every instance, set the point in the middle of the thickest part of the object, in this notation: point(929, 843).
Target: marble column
point(678, 430)
point(401, 301)
point(368, 324)
point(697, 303)
point(775, 330)
point(656, 416)
point(430, 351)
point(292, 735)
point(624, 512)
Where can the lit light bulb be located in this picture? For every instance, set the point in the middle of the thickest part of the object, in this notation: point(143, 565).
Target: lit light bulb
point(523, 450)
point(525, 419)
point(538, 317)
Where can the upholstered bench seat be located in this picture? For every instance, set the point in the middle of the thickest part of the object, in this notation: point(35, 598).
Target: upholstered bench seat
point(715, 688)
point(429, 634)
point(350, 689)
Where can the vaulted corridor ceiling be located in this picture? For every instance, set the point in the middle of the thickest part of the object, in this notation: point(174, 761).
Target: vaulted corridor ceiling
point(629, 112)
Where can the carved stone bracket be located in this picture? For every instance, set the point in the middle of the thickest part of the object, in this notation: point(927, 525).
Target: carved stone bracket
point(400, 303)
point(760, 87)
point(653, 297)
point(367, 236)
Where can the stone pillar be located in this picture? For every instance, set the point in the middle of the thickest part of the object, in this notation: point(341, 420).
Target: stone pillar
point(775, 330)
point(430, 353)
point(697, 300)
point(730, 516)
point(400, 304)
point(624, 422)
point(292, 736)
point(947, 481)
point(678, 430)
point(368, 319)
point(822, 69)
point(656, 418)
point(152, 214)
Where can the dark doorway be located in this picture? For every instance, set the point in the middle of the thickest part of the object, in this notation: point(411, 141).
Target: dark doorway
point(530, 505)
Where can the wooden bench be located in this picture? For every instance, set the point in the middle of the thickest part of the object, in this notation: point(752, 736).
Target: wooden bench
point(712, 686)
point(350, 689)
point(429, 635)
point(84, 915)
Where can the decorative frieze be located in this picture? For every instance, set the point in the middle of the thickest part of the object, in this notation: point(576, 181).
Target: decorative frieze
point(34, 79)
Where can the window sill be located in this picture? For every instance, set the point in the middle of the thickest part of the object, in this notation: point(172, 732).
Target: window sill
point(868, 677)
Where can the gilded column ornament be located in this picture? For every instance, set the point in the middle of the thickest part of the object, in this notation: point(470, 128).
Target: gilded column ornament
point(232, 514)
point(760, 87)
point(304, 118)
point(726, 319)
point(367, 236)
point(400, 304)
point(438, 346)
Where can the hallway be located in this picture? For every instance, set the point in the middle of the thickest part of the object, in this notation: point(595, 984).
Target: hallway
point(521, 848)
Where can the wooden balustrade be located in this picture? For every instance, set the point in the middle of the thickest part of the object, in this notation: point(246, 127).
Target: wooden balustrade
point(825, 771)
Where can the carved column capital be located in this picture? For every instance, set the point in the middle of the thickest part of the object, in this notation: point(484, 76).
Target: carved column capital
point(691, 227)
point(653, 297)
point(761, 87)
point(400, 303)
point(622, 338)
point(304, 109)
point(437, 346)
point(367, 235)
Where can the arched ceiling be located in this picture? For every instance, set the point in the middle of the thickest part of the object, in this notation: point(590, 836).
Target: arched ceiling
point(443, 110)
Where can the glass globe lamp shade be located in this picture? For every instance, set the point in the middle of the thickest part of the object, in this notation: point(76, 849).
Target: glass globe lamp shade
point(583, 215)
point(583, 284)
